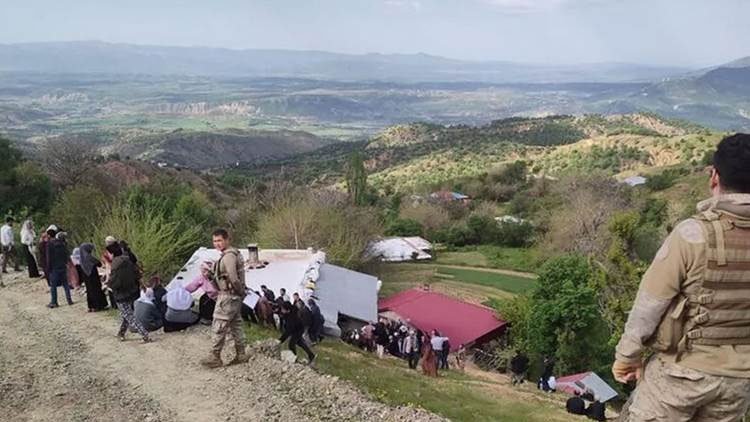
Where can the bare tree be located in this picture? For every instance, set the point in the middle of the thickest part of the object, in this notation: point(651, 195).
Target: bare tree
point(68, 160)
point(589, 204)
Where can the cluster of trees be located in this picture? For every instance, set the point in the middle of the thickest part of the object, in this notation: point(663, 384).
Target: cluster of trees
point(25, 190)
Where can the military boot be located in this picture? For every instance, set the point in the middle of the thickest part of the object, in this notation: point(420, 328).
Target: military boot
point(240, 357)
point(213, 361)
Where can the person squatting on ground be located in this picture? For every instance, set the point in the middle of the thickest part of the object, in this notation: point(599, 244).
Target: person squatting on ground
point(228, 276)
point(123, 280)
point(693, 308)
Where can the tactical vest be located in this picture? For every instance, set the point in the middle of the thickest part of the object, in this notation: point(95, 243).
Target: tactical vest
point(716, 310)
point(220, 279)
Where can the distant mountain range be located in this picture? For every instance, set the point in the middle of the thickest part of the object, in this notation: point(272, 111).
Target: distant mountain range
point(100, 57)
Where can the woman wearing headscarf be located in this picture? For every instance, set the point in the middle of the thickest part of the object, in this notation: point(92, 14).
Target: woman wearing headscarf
point(106, 259)
point(179, 314)
point(125, 290)
point(75, 259)
point(146, 312)
point(46, 237)
point(207, 302)
point(429, 360)
point(89, 273)
point(28, 240)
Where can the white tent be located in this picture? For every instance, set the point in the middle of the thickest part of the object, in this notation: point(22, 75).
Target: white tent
point(399, 249)
point(337, 290)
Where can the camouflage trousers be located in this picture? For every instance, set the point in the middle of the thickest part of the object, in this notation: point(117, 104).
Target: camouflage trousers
point(228, 323)
point(670, 392)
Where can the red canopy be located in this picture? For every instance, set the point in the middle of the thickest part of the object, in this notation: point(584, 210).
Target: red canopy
point(462, 322)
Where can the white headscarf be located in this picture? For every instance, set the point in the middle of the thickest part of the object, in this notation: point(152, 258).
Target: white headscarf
point(27, 233)
point(179, 299)
point(147, 296)
point(76, 256)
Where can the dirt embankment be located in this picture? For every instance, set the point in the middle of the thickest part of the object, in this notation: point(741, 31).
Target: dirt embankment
point(67, 365)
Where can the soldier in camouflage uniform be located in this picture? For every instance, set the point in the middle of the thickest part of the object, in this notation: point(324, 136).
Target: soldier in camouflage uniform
point(693, 308)
point(229, 277)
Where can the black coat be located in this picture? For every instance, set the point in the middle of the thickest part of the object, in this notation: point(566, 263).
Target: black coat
point(292, 324)
point(123, 280)
point(57, 255)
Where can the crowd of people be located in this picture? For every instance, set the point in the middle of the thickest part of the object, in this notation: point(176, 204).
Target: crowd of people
point(398, 339)
point(114, 279)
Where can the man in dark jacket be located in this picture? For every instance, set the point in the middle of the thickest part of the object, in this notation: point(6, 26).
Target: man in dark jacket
point(125, 289)
point(381, 338)
point(519, 364)
point(268, 293)
point(316, 328)
point(58, 257)
point(293, 330)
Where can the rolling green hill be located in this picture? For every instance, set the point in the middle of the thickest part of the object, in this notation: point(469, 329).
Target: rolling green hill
point(407, 158)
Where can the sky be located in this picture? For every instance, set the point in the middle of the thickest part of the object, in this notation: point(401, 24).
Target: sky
point(662, 32)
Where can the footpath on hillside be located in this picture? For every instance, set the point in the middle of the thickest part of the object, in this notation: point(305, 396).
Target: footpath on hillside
point(67, 365)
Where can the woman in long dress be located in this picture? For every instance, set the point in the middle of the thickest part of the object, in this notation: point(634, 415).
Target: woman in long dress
point(429, 360)
point(90, 276)
point(28, 238)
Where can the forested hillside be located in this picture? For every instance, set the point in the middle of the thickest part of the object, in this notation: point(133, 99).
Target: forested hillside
point(421, 156)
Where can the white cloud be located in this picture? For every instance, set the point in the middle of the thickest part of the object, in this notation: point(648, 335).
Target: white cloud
point(530, 6)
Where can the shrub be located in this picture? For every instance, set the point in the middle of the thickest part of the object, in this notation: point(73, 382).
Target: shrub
point(300, 221)
point(564, 318)
point(161, 243)
point(515, 234)
point(78, 211)
point(404, 227)
point(23, 186)
point(430, 216)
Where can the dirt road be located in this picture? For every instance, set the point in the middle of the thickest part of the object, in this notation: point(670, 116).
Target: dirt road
point(67, 365)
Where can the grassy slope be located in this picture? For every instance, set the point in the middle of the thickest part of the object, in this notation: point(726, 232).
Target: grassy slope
point(490, 256)
point(457, 396)
point(507, 283)
point(472, 285)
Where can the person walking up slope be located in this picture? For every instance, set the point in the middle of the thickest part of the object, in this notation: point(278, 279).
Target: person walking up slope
point(125, 289)
point(229, 277)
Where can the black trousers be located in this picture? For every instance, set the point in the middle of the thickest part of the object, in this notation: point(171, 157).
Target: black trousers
point(31, 262)
point(413, 359)
point(295, 339)
point(443, 359)
point(248, 314)
point(206, 307)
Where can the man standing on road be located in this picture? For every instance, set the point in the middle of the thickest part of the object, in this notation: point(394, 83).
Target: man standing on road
point(7, 241)
point(693, 308)
point(229, 277)
point(58, 257)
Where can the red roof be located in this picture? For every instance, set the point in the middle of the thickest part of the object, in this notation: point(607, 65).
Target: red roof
point(462, 322)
